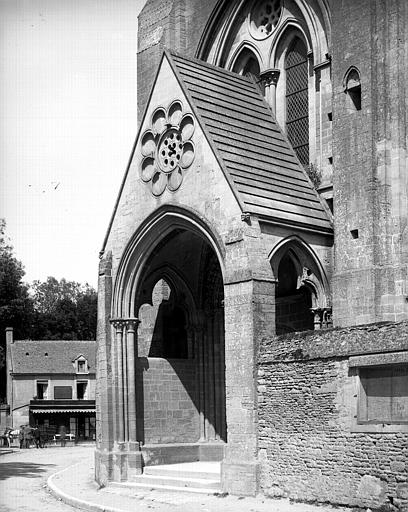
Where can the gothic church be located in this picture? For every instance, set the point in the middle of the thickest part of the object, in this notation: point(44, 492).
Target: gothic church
point(253, 282)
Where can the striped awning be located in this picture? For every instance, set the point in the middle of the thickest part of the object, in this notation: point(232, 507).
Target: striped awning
point(48, 411)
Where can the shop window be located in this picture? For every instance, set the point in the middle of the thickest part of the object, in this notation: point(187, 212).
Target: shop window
point(297, 101)
point(42, 390)
point(62, 392)
point(383, 395)
point(72, 426)
point(81, 390)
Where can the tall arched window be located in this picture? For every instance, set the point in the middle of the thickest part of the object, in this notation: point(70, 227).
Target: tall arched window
point(297, 103)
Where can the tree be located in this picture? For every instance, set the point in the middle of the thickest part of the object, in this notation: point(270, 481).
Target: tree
point(16, 306)
point(64, 310)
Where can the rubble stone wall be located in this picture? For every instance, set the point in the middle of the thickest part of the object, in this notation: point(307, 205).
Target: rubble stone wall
point(310, 448)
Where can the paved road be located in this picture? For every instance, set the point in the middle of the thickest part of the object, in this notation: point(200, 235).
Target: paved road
point(24, 473)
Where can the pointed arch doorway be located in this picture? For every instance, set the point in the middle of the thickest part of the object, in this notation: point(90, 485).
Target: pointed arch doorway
point(173, 285)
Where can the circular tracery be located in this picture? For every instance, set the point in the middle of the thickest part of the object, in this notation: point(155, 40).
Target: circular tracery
point(167, 149)
point(264, 17)
point(170, 150)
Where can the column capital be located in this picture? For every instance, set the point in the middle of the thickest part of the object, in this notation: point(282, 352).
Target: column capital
point(117, 323)
point(270, 76)
point(131, 323)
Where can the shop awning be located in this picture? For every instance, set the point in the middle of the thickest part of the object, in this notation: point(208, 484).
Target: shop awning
point(48, 411)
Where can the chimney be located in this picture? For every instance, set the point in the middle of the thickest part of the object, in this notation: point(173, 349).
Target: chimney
point(9, 335)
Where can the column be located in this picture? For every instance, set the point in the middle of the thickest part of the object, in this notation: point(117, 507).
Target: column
point(131, 326)
point(118, 325)
point(270, 79)
point(200, 372)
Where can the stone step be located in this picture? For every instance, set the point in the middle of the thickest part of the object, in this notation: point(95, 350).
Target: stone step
point(166, 482)
point(169, 488)
point(201, 470)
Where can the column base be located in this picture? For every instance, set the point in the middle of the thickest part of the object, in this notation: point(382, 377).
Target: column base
point(118, 465)
point(240, 478)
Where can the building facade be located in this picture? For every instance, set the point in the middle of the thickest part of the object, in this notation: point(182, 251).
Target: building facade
point(52, 383)
point(265, 196)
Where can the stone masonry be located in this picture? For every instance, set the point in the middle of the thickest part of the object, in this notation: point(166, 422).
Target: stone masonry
point(309, 444)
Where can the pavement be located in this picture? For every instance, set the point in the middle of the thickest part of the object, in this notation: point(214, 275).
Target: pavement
point(75, 485)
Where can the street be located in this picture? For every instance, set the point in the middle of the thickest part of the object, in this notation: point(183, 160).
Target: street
point(24, 473)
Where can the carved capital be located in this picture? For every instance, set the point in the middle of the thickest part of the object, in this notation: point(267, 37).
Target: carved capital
point(322, 318)
point(117, 323)
point(131, 324)
point(270, 77)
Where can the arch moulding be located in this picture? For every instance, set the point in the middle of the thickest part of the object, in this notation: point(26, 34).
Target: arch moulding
point(310, 271)
point(146, 237)
point(215, 37)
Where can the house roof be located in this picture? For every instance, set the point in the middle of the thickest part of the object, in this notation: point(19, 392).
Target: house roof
point(51, 356)
point(250, 145)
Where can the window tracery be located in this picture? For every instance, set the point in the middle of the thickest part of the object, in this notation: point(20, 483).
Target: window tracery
point(167, 148)
point(264, 18)
point(297, 103)
point(274, 33)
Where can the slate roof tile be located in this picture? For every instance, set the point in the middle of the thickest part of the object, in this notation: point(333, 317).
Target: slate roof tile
point(28, 356)
point(258, 158)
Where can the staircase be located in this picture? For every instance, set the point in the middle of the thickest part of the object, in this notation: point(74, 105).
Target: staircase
point(198, 477)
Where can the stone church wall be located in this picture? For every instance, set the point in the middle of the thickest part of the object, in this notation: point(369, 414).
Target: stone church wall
point(311, 447)
point(370, 160)
point(168, 390)
point(175, 24)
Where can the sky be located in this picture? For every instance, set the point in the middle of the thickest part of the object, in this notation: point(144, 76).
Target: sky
point(68, 121)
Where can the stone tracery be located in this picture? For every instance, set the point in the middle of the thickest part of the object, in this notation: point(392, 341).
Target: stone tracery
point(264, 18)
point(167, 148)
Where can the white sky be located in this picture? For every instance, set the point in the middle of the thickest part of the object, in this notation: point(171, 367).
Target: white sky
point(68, 117)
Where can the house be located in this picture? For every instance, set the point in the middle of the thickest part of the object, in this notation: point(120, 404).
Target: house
point(52, 383)
point(253, 282)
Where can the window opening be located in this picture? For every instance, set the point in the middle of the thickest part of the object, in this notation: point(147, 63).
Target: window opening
point(353, 88)
point(297, 102)
point(81, 366)
point(169, 336)
point(251, 68)
point(293, 304)
point(174, 333)
point(42, 390)
point(383, 394)
point(81, 390)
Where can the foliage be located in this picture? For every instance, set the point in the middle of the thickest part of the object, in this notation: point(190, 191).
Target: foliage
point(16, 306)
point(48, 310)
point(314, 174)
point(64, 310)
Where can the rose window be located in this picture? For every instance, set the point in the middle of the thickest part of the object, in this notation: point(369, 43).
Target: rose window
point(264, 17)
point(167, 149)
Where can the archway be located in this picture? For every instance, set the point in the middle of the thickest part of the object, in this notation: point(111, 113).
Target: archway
point(302, 291)
point(172, 283)
point(180, 370)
